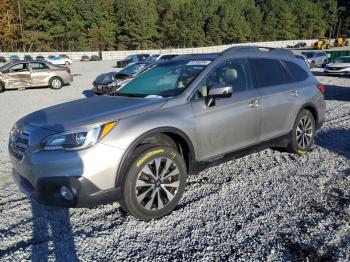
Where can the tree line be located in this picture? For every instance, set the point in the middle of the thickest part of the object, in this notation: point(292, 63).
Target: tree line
point(80, 25)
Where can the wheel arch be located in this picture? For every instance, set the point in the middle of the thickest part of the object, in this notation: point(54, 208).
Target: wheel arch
point(181, 140)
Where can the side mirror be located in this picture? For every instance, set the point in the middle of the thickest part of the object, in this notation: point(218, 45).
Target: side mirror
point(218, 92)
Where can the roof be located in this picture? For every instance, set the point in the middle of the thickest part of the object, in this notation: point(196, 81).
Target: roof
point(211, 56)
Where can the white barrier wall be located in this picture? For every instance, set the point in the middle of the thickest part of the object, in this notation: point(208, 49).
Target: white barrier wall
point(117, 55)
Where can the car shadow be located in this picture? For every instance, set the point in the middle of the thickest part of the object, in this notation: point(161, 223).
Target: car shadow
point(335, 140)
point(52, 234)
point(88, 93)
point(339, 93)
point(56, 221)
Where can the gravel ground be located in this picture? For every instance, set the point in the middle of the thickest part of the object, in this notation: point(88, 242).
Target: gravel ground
point(267, 206)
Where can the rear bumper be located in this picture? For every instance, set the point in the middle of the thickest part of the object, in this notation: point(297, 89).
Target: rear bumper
point(47, 191)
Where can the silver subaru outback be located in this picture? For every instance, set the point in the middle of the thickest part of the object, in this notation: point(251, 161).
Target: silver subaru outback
point(176, 119)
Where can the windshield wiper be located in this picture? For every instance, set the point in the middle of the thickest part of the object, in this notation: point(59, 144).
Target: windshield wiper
point(129, 95)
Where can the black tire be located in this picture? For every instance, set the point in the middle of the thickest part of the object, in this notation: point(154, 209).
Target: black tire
point(312, 64)
point(2, 87)
point(325, 62)
point(56, 83)
point(67, 63)
point(302, 139)
point(157, 198)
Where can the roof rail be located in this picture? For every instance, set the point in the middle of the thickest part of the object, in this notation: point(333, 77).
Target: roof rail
point(250, 49)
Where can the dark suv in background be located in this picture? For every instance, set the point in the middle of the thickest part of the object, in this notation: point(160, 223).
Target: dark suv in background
point(131, 59)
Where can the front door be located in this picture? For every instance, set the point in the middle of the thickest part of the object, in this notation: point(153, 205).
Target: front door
point(232, 123)
point(18, 76)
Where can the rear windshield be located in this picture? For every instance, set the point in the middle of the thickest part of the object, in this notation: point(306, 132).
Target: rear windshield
point(308, 54)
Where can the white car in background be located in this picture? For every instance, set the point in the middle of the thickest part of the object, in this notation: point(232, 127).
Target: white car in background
point(59, 60)
point(341, 66)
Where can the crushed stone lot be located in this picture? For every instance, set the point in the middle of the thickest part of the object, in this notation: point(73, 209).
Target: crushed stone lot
point(267, 206)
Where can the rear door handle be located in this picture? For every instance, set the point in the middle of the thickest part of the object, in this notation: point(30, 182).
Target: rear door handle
point(295, 93)
point(254, 103)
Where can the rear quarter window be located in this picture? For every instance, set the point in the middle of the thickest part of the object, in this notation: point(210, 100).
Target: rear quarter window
point(297, 72)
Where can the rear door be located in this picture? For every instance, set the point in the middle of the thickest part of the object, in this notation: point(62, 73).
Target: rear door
point(39, 74)
point(19, 76)
point(232, 123)
point(279, 96)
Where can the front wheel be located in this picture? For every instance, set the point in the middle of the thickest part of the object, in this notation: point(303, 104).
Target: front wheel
point(303, 133)
point(154, 183)
point(2, 87)
point(56, 83)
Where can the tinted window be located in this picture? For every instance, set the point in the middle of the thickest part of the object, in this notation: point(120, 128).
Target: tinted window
point(296, 71)
point(38, 66)
point(269, 72)
point(233, 73)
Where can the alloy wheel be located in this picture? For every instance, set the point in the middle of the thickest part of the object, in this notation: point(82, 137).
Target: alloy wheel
point(157, 183)
point(56, 83)
point(304, 132)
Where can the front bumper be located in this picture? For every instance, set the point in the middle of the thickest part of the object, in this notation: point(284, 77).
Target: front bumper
point(47, 191)
point(337, 72)
point(103, 89)
point(90, 174)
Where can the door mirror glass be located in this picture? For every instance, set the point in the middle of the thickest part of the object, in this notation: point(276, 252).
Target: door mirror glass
point(220, 92)
point(217, 92)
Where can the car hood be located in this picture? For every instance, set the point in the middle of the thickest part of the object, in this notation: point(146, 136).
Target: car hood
point(90, 111)
point(108, 78)
point(339, 65)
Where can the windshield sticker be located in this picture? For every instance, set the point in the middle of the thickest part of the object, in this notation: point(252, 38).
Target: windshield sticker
point(199, 62)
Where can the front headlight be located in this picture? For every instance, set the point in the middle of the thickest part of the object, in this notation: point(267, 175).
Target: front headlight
point(78, 139)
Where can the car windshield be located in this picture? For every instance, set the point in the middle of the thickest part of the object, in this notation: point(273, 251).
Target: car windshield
point(308, 54)
point(342, 60)
point(165, 80)
point(153, 57)
point(5, 66)
point(132, 69)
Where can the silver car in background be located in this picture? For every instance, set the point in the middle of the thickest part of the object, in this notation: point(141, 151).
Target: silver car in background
point(175, 119)
point(341, 66)
point(316, 59)
point(26, 74)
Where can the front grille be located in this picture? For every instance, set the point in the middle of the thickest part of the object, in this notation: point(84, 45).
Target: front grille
point(19, 142)
point(336, 68)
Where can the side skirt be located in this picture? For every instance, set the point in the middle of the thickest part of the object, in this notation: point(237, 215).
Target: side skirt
point(282, 141)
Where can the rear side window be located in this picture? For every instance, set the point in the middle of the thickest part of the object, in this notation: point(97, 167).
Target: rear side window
point(269, 72)
point(298, 73)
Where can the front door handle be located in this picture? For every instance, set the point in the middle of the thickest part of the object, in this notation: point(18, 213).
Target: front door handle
point(254, 103)
point(295, 93)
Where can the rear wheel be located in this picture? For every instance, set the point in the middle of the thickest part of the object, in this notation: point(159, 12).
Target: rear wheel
point(67, 63)
point(303, 133)
point(154, 183)
point(56, 83)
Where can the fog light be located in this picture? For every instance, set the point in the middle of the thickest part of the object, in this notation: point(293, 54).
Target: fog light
point(66, 193)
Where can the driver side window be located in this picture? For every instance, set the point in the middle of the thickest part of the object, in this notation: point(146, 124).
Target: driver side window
point(18, 68)
point(234, 73)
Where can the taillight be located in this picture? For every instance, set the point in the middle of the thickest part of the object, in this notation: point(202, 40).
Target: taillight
point(321, 87)
point(68, 70)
